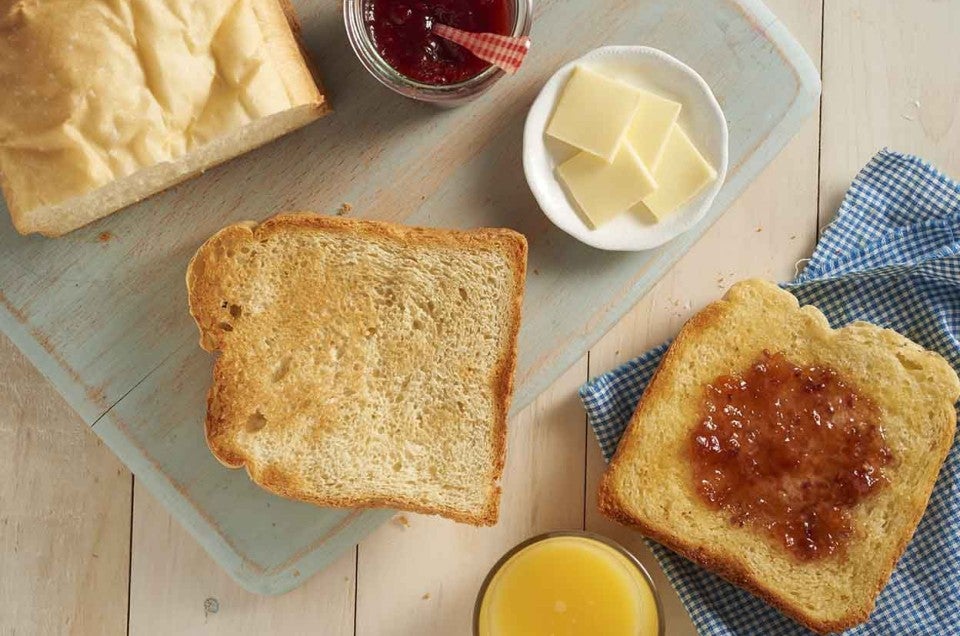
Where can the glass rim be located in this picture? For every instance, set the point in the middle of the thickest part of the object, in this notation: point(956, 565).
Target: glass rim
point(583, 534)
point(374, 63)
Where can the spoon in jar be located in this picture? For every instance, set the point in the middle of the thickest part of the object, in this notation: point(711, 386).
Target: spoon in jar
point(503, 51)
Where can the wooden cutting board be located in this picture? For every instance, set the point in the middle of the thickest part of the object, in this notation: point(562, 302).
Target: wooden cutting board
point(102, 313)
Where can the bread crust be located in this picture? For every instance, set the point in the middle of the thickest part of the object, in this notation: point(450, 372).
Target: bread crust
point(201, 303)
point(612, 504)
point(293, 21)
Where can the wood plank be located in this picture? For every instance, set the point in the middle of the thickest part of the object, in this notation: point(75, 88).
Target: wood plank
point(420, 575)
point(176, 588)
point(64, 513)
point(257, 537)
point(891, 78)
point(764, 234)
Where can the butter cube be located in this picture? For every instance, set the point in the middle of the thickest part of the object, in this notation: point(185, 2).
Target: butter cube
point(603, 190)
point(594, 113)
point(651, 127)
point(680, 175)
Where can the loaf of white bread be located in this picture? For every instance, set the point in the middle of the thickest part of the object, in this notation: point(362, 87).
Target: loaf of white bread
point(105, 102)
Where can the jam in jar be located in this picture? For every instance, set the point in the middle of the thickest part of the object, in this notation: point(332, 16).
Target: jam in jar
point(401, 31)
point(789, 450)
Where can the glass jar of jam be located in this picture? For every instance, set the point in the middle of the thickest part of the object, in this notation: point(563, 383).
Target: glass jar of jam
point(393, 40)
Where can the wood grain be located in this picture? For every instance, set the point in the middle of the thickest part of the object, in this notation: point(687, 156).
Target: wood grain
point(420, 575)
point(64, 513)
point(891, 78)
point(176, 588)
point(763, 234)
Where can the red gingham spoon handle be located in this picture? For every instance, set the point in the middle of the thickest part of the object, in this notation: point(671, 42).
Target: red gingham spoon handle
point(500, 50)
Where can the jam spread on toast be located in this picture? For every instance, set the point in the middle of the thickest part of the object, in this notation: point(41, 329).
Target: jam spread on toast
point(791, 450)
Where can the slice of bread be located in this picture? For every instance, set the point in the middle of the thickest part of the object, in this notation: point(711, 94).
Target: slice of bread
point(649, 483)
point(105, 103)
point(362, 364)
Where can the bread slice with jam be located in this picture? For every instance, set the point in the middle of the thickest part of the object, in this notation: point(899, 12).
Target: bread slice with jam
point(792, 459)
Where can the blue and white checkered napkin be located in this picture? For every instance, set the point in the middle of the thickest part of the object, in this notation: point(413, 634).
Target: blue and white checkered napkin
point(891, 257)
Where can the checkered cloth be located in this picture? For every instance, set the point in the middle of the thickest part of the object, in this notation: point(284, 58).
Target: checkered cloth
point(504, 51)
point(891, 257)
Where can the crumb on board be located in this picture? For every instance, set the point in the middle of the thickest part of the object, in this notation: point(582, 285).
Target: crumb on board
point(426, 596)
point(759, 229)
point(345, 209)
point(793, 237)
point(105, 236)
point(536, 272)
point(402, 521)
point(724, 279)
point(211, 605)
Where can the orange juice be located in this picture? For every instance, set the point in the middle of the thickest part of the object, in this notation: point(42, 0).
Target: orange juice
point(568, 585)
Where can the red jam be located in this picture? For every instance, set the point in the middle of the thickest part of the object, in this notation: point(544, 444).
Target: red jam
point(790, 450)
point(401, 33)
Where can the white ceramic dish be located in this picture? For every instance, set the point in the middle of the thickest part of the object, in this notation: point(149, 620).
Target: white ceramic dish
point(701, 117)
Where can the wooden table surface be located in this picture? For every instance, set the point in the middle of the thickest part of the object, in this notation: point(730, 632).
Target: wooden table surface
point(84, 550)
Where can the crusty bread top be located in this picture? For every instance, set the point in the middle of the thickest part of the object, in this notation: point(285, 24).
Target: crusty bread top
point(649, 482)
point(362, 364)
point(95, 90)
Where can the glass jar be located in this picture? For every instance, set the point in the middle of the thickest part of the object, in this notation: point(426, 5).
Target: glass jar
point(447, 94)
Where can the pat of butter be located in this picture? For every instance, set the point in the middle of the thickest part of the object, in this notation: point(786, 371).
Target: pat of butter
point(604, 190)
point(594, 113)
point(651, 127)
point(681, 174)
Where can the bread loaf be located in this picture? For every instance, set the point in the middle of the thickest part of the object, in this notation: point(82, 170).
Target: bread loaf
point(105, 102)
point(362, 364)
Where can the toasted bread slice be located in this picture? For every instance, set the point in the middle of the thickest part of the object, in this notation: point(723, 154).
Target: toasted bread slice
point(650, 484)
point(362, 364)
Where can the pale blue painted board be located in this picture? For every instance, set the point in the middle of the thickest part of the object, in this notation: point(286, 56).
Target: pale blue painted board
point(106, 320)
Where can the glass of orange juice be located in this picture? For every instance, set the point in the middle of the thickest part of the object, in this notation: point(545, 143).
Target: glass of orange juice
point(568, 584)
